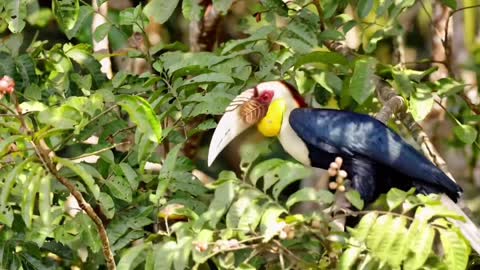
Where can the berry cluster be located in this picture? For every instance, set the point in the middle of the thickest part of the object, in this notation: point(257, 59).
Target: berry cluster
point(7, 85)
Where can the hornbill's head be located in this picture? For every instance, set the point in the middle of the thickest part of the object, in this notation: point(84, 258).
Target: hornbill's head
point(268, 106)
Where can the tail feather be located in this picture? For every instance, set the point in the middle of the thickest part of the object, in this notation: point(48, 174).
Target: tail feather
point(467, 227)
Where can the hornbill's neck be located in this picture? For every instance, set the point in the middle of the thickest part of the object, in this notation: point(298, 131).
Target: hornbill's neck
point(289, 140)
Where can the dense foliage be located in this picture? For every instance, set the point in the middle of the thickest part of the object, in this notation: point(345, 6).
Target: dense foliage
point(138, 175)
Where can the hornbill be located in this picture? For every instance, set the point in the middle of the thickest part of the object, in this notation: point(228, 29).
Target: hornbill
point(374, 157)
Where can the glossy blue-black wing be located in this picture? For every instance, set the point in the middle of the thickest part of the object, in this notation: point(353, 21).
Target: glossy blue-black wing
point(364, 137)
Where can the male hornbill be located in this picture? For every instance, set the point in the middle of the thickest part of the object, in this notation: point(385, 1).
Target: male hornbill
point(374, 157)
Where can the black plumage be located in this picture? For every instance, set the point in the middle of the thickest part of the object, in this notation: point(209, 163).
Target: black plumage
point(375, 157)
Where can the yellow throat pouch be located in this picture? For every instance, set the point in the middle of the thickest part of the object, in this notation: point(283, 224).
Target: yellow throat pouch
point(271, 124)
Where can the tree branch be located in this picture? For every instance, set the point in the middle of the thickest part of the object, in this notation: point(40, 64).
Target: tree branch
point(203, 34)
point(46, 156)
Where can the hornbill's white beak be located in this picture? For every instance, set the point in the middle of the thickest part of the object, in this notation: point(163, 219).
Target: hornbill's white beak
point(230, 126)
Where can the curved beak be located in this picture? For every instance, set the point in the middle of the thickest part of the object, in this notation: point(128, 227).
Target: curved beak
point(230, 126)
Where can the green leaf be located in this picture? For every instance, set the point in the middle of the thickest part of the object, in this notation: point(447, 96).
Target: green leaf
point(288, 173)
point(238, 209)
point(107, 205)
point(329, 81)
point(182, 254)
point(208, 78)
point(251, 217)
point(321, 57)
point(450, 3)
point(82, 54)
point(84, 14)
point(277, 6)
point(29, 195)
point(66, 12)
point(310, 194)
point(421, 102)
point(364, 7)
point(260, 34)
point(26, 69)
point(7, 65)
point(361, 231)
point(224, 195)
point(16, 12)
point(302, 30)
point(7, 142)
point(222, 5)
point(160, 10)
point(203, 236)
point(84, 175)
point(348, 258)
point(354, 198)
point(64, 117)
point(269, 226)
point(420, 239)
point(362, 83)
point(392, 233)
point(264, 167)
point(402, 83)
point(142, 115)
point(119, 78)
point(192, 10)
point(380, 231)
point(6, 213)
point(396, 197)
point(456, 249)
point(130, 175)
point(44, 204)
point(398, 247)
point(466, 133)
point(448, 87)
point(119, 188)
point(131, 255)
point(101, 31)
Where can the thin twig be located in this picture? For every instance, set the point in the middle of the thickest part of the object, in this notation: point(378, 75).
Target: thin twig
point(44, 155)
point(445, 39)
point(7, 108)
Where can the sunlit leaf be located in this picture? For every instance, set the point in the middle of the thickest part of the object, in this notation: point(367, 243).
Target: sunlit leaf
point(142, 115)
point(16, 13)
point(222, 5)
point(450, 3)
point(456, 249)
point(396, 197)
point(362, 83)
point(84, 175)
point(322, 57)
point(421, 102)
point(465, 133)
point(66, 12)
point(364, 7)
point(30, 194)
point(101, 31)
point(132, 254)
point(160, 10)
point(310, 194)
point(354, 198)
point(361, 231)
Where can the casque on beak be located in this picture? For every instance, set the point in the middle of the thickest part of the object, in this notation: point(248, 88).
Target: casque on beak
point(230, 126)
point(251, 107)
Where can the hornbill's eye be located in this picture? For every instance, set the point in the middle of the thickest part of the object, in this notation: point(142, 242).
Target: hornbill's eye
point(266, 97)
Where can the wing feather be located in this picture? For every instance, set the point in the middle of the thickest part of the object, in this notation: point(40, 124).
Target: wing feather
point(364, 136)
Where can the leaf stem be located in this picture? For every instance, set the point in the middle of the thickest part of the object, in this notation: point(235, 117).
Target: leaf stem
point(46, 158)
